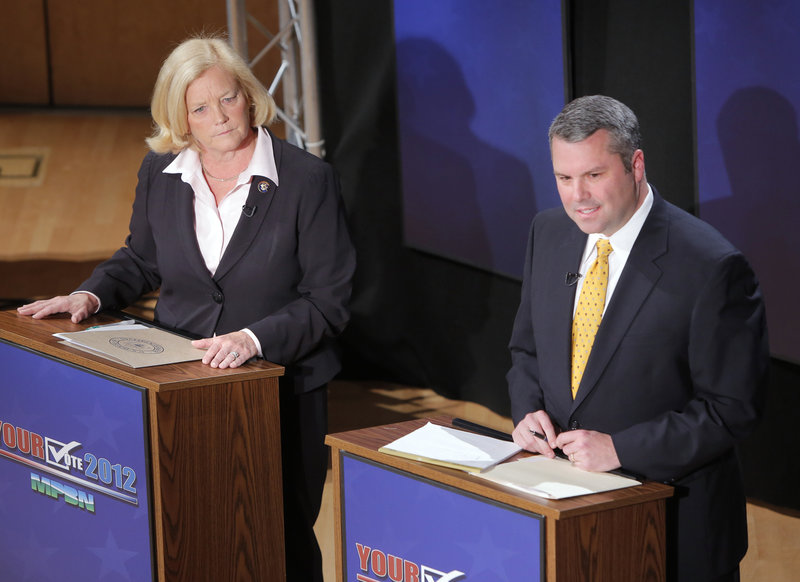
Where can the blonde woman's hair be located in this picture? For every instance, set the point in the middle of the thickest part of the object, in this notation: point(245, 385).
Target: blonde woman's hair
point(187, 62)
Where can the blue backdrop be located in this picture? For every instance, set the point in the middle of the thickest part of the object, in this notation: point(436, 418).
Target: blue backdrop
point(747, 69)
point(478, 84)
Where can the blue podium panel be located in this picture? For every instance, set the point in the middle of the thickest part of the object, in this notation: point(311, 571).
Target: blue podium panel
point(74, 474)
point(404, 528)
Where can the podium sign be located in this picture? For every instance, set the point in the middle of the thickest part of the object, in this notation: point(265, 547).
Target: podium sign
point(169, 473)
point(407, 521)
point(405, 528)
point(74, 473)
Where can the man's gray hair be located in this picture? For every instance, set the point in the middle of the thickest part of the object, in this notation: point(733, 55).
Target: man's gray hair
point(585, 115)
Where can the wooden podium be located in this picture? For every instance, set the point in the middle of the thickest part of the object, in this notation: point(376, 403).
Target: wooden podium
point(212, 442)
point(618, 535)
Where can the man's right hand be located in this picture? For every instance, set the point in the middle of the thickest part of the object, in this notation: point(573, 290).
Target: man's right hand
point(536, 422)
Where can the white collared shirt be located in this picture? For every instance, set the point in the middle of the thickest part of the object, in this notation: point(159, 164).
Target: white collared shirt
point(621, 243)
point(213, 224)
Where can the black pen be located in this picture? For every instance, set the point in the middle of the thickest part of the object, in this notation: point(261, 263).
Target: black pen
point(559, 453)
point(538, 435)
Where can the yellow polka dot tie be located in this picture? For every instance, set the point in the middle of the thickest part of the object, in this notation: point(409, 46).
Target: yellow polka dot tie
point(589, 312)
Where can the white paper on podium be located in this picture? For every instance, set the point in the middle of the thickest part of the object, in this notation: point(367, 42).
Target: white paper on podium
point(554, 478)
point(451, 447)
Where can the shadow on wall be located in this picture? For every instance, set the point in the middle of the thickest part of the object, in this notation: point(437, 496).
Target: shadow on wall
point(758, 134)
point(462, 198)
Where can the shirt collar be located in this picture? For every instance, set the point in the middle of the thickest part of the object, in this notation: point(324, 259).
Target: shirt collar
point(622, 240)
point(187, 162)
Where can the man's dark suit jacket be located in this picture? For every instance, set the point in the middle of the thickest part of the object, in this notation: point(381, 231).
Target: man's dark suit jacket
point(675, 375)
point(285, 275)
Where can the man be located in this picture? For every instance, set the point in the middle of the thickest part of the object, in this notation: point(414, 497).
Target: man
point(672, 378)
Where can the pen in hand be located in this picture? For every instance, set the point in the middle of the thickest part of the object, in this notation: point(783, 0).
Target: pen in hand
point(538, 435)
point(559, 453)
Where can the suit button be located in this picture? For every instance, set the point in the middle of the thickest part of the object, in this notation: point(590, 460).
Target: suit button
point(217, 297)
point(574, 425)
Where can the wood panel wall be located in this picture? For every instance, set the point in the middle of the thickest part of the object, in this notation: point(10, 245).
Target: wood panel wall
point(23, 54)
point(96, 53)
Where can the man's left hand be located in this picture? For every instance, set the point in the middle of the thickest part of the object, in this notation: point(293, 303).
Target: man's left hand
point(589, 450)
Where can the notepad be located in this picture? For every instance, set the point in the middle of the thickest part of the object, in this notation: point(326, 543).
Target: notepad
point(554, 478)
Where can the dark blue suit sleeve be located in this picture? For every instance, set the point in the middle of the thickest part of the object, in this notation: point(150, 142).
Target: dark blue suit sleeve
point(727, 358)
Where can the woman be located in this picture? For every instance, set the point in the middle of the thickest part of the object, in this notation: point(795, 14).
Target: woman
point(245, 237)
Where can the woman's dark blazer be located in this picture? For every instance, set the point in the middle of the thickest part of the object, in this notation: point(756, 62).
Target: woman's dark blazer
point(286, 274)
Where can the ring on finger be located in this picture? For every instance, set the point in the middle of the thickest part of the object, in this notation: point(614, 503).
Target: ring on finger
point(234, 354)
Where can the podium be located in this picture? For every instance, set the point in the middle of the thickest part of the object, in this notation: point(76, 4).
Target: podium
point(163, 473)
point(411, 521)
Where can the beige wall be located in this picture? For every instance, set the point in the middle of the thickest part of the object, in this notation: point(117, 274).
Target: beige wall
point(105, 53)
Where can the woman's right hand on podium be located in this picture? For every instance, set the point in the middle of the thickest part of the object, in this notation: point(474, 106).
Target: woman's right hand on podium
point(78, 305)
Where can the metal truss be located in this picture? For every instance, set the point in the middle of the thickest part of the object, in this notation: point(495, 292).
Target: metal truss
point(297, 75)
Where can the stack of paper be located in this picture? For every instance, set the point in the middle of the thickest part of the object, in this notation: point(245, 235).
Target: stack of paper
point(450, 447)
point(554, 478)
point(133, 344)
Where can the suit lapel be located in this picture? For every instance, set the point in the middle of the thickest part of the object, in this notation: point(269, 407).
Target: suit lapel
point(184, 227)
point(636, 282)
point(254, 212)
point(262, 192)
point(560, 303)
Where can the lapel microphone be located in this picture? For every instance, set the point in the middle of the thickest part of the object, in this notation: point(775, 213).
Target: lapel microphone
point(249, 211)
point(571, 279)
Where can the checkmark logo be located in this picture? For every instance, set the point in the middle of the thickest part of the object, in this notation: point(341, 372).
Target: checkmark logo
point(57, 452)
